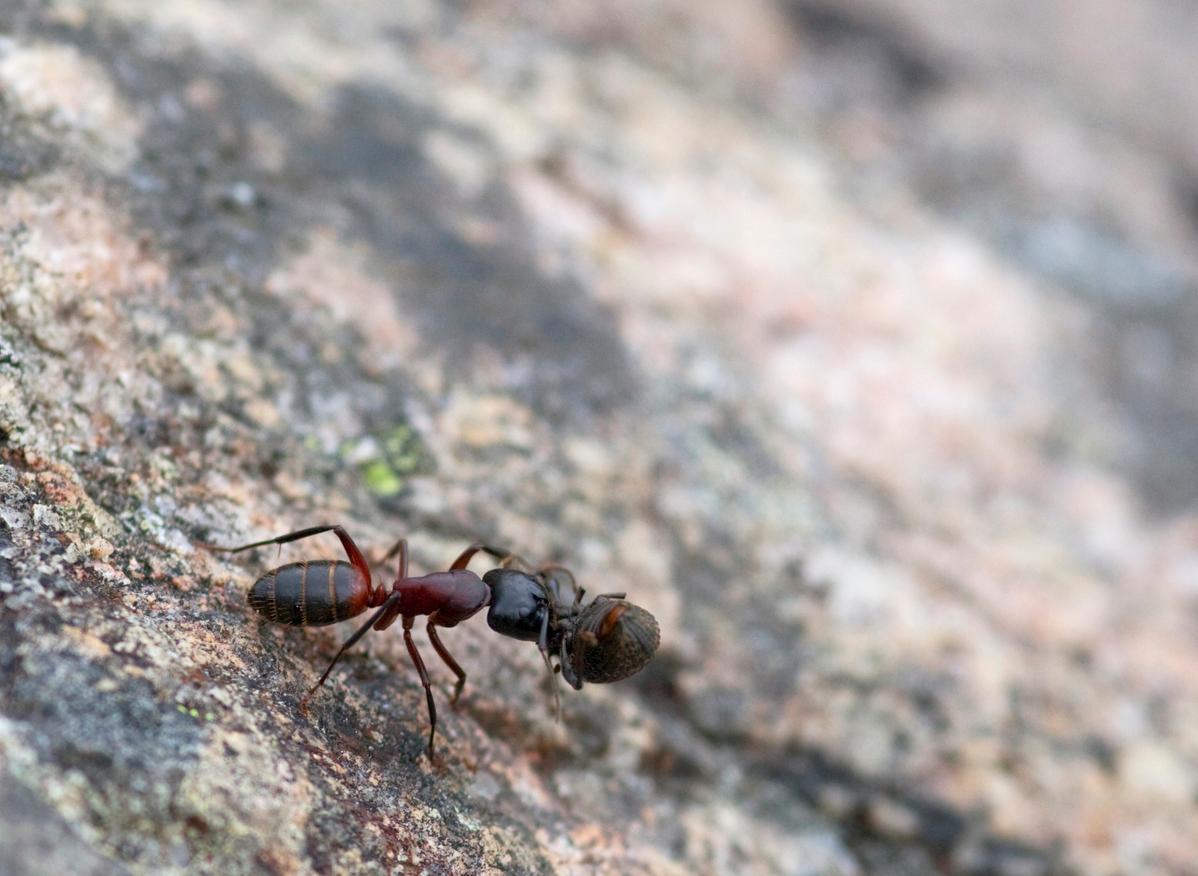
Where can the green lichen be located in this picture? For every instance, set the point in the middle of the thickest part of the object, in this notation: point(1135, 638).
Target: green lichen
point(381, 479)
point(405, 451)
point(398, 455)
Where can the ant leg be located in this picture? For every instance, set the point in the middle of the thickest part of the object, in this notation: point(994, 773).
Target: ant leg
point(356, 557)
point(428, 690)
point(460, 563)
point(401, 570)
point(449, 661)
point(401, 548)
point(543, 647)
point(391, 551)
point(386, 606)
point(280, 539)
point(464, 558)
point(556, 567)
point(517, 562)
point(566, 666)
point(557, 700)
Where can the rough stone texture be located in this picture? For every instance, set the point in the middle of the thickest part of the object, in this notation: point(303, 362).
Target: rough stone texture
point(855, 341)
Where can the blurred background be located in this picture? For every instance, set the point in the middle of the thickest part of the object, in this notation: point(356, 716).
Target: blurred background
point(854, 340)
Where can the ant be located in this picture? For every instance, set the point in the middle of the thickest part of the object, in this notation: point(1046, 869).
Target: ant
point(606, 640)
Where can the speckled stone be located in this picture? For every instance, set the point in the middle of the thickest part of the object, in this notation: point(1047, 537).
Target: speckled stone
point(853, 342)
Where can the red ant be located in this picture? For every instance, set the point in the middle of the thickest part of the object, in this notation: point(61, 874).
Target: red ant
point(321, 592)
point(603, 641)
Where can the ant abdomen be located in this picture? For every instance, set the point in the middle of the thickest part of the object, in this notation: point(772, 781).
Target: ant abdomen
point(613, 639)
point(311, 594)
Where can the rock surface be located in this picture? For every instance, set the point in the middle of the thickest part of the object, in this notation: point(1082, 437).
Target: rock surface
point(853, 342)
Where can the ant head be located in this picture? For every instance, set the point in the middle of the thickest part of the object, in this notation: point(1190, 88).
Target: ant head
point(519, 604)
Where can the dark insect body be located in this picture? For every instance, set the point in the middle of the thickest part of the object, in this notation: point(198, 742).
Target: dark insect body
point(605, 640)
point(610, 642)
point(322, 592)
point(310, 594)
